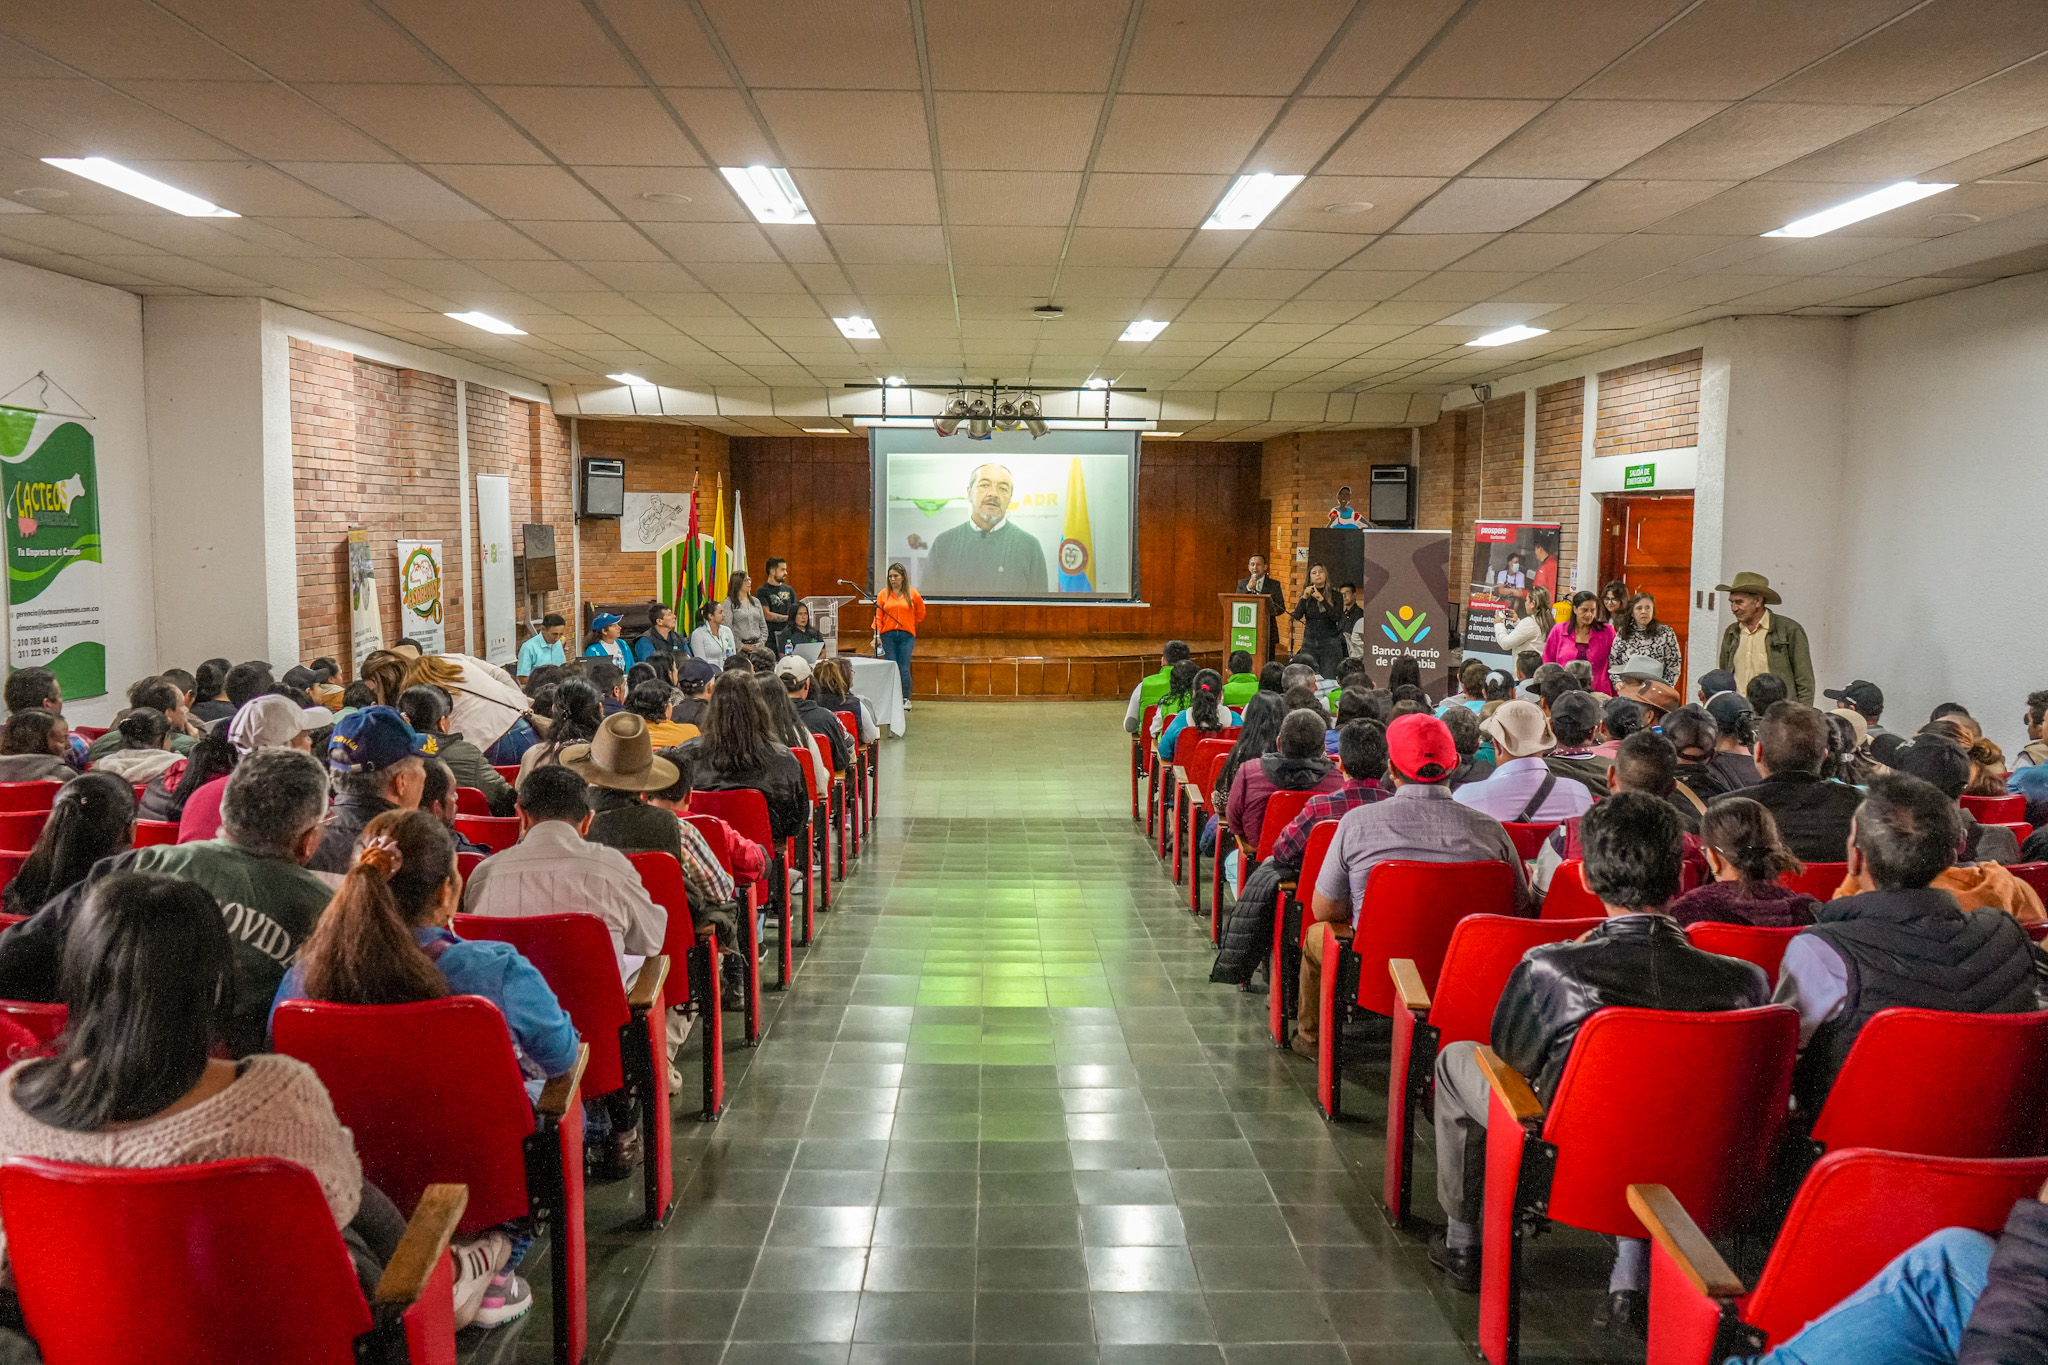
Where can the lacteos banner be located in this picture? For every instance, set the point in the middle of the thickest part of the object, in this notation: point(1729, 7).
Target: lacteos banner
point(50, 478)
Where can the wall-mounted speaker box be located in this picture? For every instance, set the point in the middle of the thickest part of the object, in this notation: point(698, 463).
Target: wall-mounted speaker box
point(1390, 495)
point(604, 489)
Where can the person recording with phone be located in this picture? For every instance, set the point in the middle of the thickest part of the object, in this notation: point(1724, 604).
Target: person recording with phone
point(1322, 622)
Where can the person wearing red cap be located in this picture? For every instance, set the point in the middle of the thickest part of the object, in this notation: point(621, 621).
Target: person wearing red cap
point(1419, 822)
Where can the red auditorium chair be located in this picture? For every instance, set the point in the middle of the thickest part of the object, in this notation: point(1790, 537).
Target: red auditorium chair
point(1411, 910)
point(1208, 760)
point(1290, 921)
point(1818, 880)
point(1192, 763)
point(1568, 896)
point(865, 772)
point(9, 921)
point(43, 1019)
point(2034, 875)
point(433, 1095)
point(2021, 830)
point(746, 811)
point(662, 876)
point(748, 944)
point(1996, 810)
point(1855, 1212)
point(28, 795)
point(493, 833)
point(467, 863)
point(1752, 943)
point(123, 1267)
point(19, 829)
point(1484, 950)
point(623, 1027)
point(1529, 836)
point(470, 801)
point(860, 813)
point(89, 733)
point(11, 860)
point(1141, 758)
point(152, 832)
point(1281, 808)
point(1691, 1101)
point(508, 771)
point(16, 1042)
point(1938, 1083)
point(819, 826)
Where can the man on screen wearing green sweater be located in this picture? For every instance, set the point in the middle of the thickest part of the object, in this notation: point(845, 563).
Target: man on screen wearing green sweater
point(987, 556)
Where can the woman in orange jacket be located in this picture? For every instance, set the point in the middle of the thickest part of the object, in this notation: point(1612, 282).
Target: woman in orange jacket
point(898, 609)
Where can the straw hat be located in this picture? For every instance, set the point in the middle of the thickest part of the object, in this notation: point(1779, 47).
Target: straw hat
point(1519, 729)
point(621, 757)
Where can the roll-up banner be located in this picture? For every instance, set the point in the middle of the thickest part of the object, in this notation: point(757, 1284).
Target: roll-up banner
point(419, 594)
point(54, 596)
point(1406, 595)
point(1510, 559)
point(365, 616)
point(501, 603)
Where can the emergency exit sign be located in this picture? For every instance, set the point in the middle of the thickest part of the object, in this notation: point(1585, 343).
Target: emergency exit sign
point(1639, 476)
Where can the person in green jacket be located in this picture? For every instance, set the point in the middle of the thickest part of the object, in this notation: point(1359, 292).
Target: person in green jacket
point(271, 816)
point(1243, 681)
point(1759, 640)
point(1151, 689)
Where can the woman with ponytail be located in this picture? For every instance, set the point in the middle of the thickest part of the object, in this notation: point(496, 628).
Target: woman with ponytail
point(93, 818)
point(145, 751)
point(1205, 712)
point(1746, 856)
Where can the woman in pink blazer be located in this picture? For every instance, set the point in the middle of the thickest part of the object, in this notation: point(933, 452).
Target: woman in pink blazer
point(1584, 636)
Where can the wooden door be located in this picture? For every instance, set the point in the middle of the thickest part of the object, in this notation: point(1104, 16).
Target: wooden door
point(1646, 542)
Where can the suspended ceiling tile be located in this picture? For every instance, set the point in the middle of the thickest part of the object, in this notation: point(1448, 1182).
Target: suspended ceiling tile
point(1593, 138)
point(978, 130)
point(726, 127)
point(1626, 205)
point(1011, 198)
point(1750, 139)
point(589, 242)
point(694, 242)
point(1373, 52)
point(1533, 250)
point(883, 129)
point(625, 188)
point(1142, 201)
point(443, 123)
point(666, 40)
point(1533, 48)
point(1462, 286)
point(1208, 47)
point(1428, 137)
point(1418, 251)
point(525, 191)
point(272, 122)
point(871, 196)
point(1004, 245)
point(517, 42)
point(1472, 205)
point(1188, 134)
point(1308, 250)
point(854, 44)
point(643, 276)
point(598, 126)
point(473, 241)
point(1925, 54)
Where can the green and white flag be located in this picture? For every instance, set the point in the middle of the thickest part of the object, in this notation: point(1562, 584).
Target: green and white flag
point(54, 591)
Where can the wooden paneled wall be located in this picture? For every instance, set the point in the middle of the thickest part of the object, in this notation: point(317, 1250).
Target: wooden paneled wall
point(807, 500)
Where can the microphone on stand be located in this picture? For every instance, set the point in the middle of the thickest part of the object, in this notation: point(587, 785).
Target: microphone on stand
point(857, 595)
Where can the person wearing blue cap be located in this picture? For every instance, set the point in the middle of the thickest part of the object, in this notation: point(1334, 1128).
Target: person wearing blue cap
point(374, 757)
point(604, 640)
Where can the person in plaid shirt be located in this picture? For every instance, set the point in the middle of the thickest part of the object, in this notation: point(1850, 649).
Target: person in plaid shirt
point(1362, 754)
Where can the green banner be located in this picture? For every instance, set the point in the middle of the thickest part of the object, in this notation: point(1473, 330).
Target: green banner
point(51, 484)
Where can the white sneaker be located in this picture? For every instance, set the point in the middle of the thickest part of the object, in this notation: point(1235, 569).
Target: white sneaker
point(675, 1081)
point(906, 703)
point(475, 1263)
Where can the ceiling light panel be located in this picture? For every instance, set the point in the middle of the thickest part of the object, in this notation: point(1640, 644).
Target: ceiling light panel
point(1507, 334)
point(768, 192)
point(115, 176)
point(487, 323)
point(1249, 199)
point(623, 377)
point(1856, 210)
point(1144, 329)
point(857, 328)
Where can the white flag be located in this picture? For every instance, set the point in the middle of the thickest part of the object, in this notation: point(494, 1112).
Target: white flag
point(739, 537)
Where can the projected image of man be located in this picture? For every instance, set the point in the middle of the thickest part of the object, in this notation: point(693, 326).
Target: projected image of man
point(988, 556)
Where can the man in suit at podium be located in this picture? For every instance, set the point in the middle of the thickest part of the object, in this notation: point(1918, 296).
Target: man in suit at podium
point(1256, 580)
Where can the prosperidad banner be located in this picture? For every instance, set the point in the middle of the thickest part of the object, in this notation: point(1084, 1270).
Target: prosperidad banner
point(1407, 599)
point(50, 479)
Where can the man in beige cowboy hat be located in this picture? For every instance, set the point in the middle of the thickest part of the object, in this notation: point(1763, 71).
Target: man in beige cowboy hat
point(621, 767)
point(1759, 640)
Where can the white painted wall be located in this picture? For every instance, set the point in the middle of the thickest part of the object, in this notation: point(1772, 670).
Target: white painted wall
point(1948, 440)
point(88, 337)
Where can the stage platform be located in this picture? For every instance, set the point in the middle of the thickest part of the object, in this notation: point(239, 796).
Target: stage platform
point(1032, 668)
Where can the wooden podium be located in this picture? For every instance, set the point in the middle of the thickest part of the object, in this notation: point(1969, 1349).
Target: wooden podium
point(1244, 614)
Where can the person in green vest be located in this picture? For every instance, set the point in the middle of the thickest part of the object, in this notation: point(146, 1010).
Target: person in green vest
point(1151, 689)
point(1243, 681)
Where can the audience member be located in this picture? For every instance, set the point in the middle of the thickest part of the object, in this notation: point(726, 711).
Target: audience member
point(1759, 640)
point(144, 737)
point(92, 818)
point(1713, 683)
point(578, 713)
point(1866, 699)
point(1745, 858)
point(157, 694)
point(37, 689)
point(1259, 730)
point(1619, 719)
point(608, 680)
point(36, 747)
point(487, 706)
point(738, 751)
point(1584, 638)
point(1575, 721)
point(209, 688)
point(837, 746)
point(1269, 676)
point(1205, 714)
point(1899, 941)
point(1850, 747)
point(1523, 788)
point(1638, 958)
point(1362, 757)
point(1734, 763)
point(427, 709)
point(1419, 822)
point(1471, 693)
point(708, 847)
point(266, 722)
point(662, 637)
point(1467, 732)
point(545, 647)
point(1527, 664)
point(1644, 763)
point(651, 702)
point(375, 757)
point(1582, 673)
point(620, 767)
point(832, 688)
point(2035, 751)
point(1813, 814)
point(694, 679)
point(603, 641)
point(438, 799)
point(713, 640)
point(1937, 761)
point(1765, 690)
point(1695, 736)
point(1405, 671)
point(1297, 764)
point(1242, 680)
point(247, 681)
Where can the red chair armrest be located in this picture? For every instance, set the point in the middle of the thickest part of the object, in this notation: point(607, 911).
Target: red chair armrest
point(647, 983)
point(1693, 1293)
point(427, 1234)
point(1510, 1092)
point(558, 1094)
point(1408, 988)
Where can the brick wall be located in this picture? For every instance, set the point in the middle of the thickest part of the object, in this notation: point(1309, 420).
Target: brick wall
point(1651, 406)
point(1300, 475)
point(375, 445)
point(1560, 432)
point(661, 457)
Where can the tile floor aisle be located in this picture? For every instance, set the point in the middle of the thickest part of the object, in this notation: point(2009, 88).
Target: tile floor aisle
point(1002, 1117)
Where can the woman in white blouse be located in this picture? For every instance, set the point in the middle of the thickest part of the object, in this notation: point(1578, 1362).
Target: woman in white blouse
point(1512, 635)
point(712, 640)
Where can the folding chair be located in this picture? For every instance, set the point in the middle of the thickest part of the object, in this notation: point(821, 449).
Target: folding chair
point(1484, 950)
point(866, 769)
point(152, 832)
point(2033, 874)
point(1140, 758)
point(1854, 1213)
point(820, 826)
point(123, 1267)
point(1569, 897)
point(43, 1019)
point(1939, 1083)
point(1529, 836)
point(662, 877)
point(624, 1028)
point(750, 905)
point(28, 795)
point(1410, 911)
point(1291, 920)
point(493, 833)
point(1752, 943)
point(508, 771)
point(746, 810)
point(19, 829)
point(1996, 810)
point(467, 863)
point(433, 1095)
point(1209, 756)
point(470, 801)
point(1693, 1101)
point(1281, 808)
point(1817, 880)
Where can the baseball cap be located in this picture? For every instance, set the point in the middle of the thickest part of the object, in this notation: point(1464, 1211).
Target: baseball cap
point(1934, 761)
point(1716, 681)
point(697, 671)
point(273, 722)
point(372, 740)
point(1421, 748)
point(1861, 695)
point(793, 666)
point(604, 619)
point(305, 678)
point(1728, 707)
point(1519, 729)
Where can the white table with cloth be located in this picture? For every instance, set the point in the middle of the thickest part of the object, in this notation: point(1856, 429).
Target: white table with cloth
point(878, 682)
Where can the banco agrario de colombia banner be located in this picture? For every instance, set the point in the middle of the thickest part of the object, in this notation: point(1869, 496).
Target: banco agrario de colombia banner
point(52, 489)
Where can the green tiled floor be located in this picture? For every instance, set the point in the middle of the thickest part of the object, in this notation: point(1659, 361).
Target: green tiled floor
point(1002, 1117)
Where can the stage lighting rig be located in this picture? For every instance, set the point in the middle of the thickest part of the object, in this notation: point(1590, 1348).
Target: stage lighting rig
point(997, 406)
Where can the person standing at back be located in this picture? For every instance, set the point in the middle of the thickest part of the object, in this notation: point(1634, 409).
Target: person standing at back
point(1321, 617)
point(1760, 640)
point(743, 611)
point(778, 602)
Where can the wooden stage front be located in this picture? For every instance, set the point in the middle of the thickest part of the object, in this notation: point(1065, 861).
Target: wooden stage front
point(1016, 667)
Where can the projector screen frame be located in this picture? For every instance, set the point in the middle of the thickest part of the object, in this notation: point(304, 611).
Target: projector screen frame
point(1000, 444)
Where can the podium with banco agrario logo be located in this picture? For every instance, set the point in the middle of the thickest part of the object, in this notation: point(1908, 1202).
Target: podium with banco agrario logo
point(1244, 625)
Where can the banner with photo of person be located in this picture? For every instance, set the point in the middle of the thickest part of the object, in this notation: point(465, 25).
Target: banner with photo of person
point(1510, 559)
point(420, 608)
point(50, 478)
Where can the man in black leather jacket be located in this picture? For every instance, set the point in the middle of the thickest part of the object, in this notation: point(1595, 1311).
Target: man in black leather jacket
point(1639, 957)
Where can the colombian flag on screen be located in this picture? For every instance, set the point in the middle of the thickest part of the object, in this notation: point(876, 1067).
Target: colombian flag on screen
point(1077, 543)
